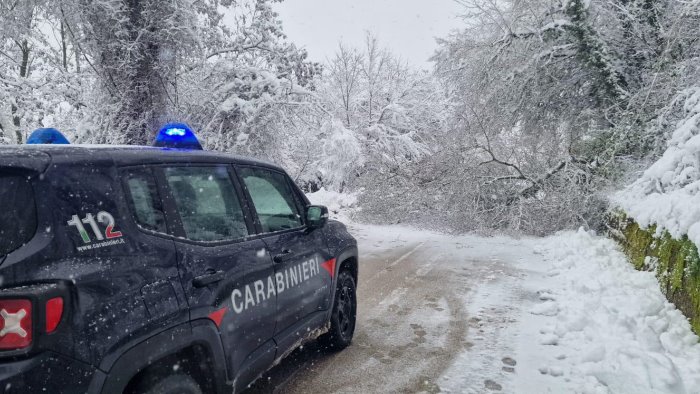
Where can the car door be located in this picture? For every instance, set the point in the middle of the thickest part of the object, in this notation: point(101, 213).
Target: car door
point(163, 297)
point(303, 266)
point(221, 267)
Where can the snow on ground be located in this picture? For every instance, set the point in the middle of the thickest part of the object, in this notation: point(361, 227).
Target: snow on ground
point(564, 314)
point(469, 314)
point(600, 326)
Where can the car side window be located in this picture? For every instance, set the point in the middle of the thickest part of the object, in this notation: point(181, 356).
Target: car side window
point(18, 221)
point(206, 200)
point(145, 201)
point(273, 199)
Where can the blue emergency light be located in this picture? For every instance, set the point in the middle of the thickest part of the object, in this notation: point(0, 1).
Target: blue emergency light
point(47, 135)
point(178, 136)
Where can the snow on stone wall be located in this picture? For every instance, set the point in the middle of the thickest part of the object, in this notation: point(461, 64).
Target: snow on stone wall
point(668, 193)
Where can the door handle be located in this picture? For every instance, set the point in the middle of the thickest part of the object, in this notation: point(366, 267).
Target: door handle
point(282, 256)
point(210, 277)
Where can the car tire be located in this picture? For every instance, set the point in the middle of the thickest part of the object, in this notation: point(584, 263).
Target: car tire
point(172, 384)
point(343, 316)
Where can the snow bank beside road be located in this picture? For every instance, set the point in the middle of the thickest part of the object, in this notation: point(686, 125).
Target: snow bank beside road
point(668, 193)
point(603, 327)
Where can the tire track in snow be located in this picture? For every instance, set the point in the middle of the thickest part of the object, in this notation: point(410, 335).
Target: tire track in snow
point(405, 256)
point(411, 326)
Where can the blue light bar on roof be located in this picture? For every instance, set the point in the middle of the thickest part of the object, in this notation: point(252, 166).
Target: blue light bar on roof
point(47, 135)
point(177, 136)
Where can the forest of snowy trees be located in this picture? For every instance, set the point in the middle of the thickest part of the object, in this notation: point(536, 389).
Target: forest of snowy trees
point(534, 110)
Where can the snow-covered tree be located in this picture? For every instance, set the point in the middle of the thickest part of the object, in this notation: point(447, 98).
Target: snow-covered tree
point(394, 111)
point(38, 80)
point(215, 64)
point(552, 97)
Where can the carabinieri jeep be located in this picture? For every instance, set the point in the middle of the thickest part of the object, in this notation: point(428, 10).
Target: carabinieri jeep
point(164, 269)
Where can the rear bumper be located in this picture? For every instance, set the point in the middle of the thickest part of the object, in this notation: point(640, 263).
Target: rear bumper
point(45, 373)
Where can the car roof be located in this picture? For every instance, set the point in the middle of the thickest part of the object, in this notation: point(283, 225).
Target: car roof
point(39, 156)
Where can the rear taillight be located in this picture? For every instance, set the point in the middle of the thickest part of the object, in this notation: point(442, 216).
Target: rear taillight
point(15, 323)
point(54, 311)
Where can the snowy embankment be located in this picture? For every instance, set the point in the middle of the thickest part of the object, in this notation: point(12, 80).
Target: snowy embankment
point(600, 326)
point(668, 192)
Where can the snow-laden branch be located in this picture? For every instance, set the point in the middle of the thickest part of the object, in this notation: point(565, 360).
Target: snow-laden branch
point(557, 26)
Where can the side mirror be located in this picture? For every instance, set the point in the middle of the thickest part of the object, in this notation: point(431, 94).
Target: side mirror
point(316, 216)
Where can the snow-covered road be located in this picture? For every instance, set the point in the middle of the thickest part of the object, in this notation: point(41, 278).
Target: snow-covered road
point(468, 314)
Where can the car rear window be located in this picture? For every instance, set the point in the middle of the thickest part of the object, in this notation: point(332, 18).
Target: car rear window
point(145, 200)
point(18, 220)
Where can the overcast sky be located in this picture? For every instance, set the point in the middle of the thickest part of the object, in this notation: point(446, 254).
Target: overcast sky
point(407, 27)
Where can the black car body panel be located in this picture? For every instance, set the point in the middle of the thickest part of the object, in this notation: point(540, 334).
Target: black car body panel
point(137, 290)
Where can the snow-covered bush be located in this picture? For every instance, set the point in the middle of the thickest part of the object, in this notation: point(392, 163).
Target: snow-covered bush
point(341, 156)
point(341, 206)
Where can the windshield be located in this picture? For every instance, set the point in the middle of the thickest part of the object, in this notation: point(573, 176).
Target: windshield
point(18, 214)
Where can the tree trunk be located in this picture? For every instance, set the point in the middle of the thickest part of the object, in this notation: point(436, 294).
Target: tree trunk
point(23, 72)
point(64, 47)
point(146, 78)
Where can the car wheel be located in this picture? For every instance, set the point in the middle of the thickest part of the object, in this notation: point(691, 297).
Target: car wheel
point(172, 384)
point(343, 315)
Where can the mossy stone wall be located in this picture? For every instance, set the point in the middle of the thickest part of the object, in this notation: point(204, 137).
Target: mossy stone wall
point(675, 261)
